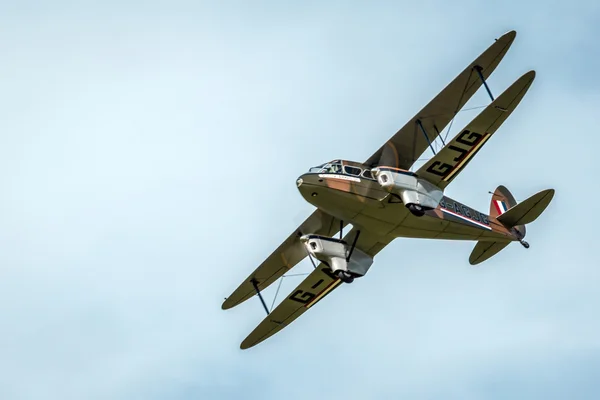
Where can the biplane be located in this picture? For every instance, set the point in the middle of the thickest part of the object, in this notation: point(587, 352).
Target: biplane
point(383, 199)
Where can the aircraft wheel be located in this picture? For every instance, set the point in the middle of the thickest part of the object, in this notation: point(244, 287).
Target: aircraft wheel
point(416, 209)
point(344, 276)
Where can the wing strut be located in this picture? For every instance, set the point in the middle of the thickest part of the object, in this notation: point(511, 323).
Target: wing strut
point(425, 134)
point(477, 69)
point(437, 131)
point(255, 284)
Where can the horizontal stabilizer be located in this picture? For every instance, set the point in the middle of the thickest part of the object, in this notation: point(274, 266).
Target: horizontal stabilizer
point(485, 250)
point(528, 210)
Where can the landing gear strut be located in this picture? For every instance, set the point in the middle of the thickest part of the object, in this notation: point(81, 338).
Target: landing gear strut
point(416, 209)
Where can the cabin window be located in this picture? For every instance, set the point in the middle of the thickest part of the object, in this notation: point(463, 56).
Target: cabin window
point(352, 170)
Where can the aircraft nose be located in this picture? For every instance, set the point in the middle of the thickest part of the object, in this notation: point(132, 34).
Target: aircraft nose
point(306, 185)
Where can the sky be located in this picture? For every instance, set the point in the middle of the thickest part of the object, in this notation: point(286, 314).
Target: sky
point(148, 159)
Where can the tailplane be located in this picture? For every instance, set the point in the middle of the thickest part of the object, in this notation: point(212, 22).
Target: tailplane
point(505, 209)
point(527, 211)
point(484, 250)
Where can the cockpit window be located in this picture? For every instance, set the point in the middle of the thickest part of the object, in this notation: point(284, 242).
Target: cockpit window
point(318, 168)
point(352, 170)
point(334, 168)
point(367, 174)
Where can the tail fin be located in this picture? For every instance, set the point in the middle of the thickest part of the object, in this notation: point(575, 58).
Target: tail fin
point(502, 201)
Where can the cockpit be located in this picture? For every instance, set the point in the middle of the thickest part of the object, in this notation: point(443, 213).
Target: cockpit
point(342, 167)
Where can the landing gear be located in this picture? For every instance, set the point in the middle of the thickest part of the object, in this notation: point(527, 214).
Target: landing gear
point(416, 209)
point(344, 276)
point(524, 243)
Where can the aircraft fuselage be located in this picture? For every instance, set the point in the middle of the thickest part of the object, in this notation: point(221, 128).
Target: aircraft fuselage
point(358, 199)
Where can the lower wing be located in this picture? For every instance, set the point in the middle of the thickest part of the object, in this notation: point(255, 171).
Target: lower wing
point(287, 255)
point(311, 290)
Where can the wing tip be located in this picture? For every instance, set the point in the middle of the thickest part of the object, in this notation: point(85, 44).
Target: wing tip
point(527, 78)
point(229, 303)
point(510, 35)
point(239, 295)
point(550, 193)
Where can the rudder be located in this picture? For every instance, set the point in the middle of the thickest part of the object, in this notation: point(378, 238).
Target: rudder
point(502, 201)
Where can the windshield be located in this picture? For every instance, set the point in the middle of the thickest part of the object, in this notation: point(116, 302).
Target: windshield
point(318, 168)
point(328, 168)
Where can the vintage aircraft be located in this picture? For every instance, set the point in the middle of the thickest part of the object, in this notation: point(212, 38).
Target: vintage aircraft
point(383, 200)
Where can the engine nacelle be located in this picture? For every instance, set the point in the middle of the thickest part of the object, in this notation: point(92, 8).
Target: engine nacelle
point(334, 252)
point(410, 188)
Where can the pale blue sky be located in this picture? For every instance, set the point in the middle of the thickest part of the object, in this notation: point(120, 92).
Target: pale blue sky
point(148, 158)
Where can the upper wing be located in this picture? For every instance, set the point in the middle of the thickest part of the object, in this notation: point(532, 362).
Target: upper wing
point(313, 288)
point(287, 255)
point(407, 145)
point(446, 164)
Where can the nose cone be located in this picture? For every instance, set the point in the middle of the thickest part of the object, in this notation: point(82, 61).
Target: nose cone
point(331, 194)
point(309, 186)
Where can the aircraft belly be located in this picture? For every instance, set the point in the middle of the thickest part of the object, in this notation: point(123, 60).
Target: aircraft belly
point(458, 231)
point(375, 225)
point(362, 204)
point(433, 228)
point(434, 225)
point(342, 198)
point(340, 204)
point(493, 236)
